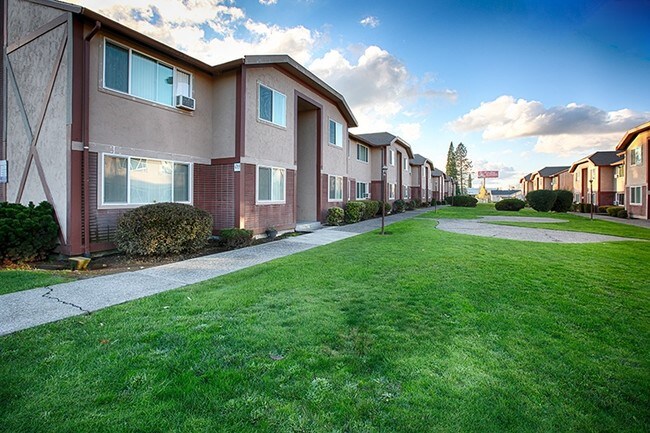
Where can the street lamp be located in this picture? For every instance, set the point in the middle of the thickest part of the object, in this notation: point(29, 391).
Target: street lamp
point(591, 196)
point(384, 169)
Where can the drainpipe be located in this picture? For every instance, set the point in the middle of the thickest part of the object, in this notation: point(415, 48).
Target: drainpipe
point(85, 122)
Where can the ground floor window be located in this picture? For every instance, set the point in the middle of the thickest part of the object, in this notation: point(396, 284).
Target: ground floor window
point(130, 180)
point(620, 199)
point(335, 188)
point(391, 191)
point(271, 183)
point(635, 195)
point(362, 191)
point(406, 191)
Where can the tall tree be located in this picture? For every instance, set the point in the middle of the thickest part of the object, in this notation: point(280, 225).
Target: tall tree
point(463, 167)
point(469, 181)
point(451, 167)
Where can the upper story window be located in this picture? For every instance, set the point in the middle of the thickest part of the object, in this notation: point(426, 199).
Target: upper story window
point(133, 73)
point(129, 180)
point(635, 156)
point(272, 106)
point(336, 133)
point(391, 157)
point(362, 153)
point(620, 170)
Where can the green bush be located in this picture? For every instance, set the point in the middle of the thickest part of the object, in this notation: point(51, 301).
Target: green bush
point(464, 201)
point(622, 213)
point(541, 200)
point(409, 204)
point(27, 233)
point(510, 204)
point(585, 207)
point(448, 200)
point(387, 207)
point(563, 201)
point(372, 207)
point(335, 216)
point(163, 228)
point(603, 209)
point(399, 206)
point(354, 211)
point(416, 202)
point(235, 238)
point(613, 210)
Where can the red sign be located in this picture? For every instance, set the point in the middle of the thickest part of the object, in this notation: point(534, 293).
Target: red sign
point(488, 174)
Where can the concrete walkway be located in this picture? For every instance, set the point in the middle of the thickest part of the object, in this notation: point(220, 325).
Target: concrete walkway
point(631, 221)
point(34, 307)
point(481, 227)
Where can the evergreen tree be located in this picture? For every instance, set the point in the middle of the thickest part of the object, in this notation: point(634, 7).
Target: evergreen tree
point(450, 168)
point(469, 181)
point(463, 167)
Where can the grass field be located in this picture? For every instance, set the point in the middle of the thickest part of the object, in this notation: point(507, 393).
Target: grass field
point(418, 331)
point(15, 280)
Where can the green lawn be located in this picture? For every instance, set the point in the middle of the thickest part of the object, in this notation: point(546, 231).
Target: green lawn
point(16, 280)
point(418, 331)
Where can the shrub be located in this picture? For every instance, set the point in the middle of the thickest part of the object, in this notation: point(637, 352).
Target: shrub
point(416, 202)
point(27, 233)
point(603, 209)
point(372, 207)
point(510, 204)
point(163, 228)
point(387, 207)
point(541, 200)
point(622, 213)
point(399, 206)
point(464, 201)
point(585, 207)
point(448, 200)
point(613, 210)
point(354, 211)
point(335, 216)
point(409, 204)
point(563, 201)
point(235, 238)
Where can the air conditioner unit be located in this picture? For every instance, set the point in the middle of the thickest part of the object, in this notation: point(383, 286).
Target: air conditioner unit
point(615, 202)
point(185, 102)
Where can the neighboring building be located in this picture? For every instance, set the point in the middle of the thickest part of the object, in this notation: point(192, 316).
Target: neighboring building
point(562, 180)
point(542, 179)
point(101, 119)
point(595, 173)
point(364, 166)
point(526, 184)
point(635, 148)
point(438, 184)
point(500, 194)
point(619, 180)
point(421, 181)
point(396, 154)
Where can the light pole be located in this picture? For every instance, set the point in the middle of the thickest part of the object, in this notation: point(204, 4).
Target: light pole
point(591, 197)
point(384, 169)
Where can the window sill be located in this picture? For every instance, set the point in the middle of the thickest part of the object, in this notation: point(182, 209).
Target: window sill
point(275, 125)
point(145, 101)
point(264, 203)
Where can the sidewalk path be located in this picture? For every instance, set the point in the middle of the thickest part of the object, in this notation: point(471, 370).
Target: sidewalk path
point(481, 227)
point(34, 307)
point(631, 221)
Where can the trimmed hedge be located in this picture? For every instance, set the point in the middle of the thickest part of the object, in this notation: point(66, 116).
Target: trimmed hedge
point(614, 210)
point(463, 201)
point(387, 207)
point(541, 200)
point(235, 237)
point(622, 213)
point(563, 201)
point(27, 233)
point(354, 211)
point(335, 216)
point(372, 208)
point(510, 204)
point(399, 206)
point(163, 228)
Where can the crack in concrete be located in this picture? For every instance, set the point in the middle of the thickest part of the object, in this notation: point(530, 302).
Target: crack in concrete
point(54, 298)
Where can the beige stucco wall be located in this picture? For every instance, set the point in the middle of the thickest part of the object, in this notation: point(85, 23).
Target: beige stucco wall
point(133, 124)
point(636, 175)
point(359, 170)
point(33, 65)
point(224, 115)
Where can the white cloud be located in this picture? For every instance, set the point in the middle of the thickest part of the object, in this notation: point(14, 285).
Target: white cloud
point(409, 131)
point(564, 130)
point(268, 2)
point(370, 21)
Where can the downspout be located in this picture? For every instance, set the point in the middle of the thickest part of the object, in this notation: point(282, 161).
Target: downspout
point(85, 122)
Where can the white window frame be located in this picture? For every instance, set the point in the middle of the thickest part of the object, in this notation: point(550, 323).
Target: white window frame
point(190, 181)
point(391, 191)
point(257, 186)
point(405, 165)
point(391, 157)
point(640, 189)
point(259, 101)
point(406, 191)
point(359, 145)
point(338, 133)
point(329, 189)
point(634, 158)
point(366, 190)
point(129, 91)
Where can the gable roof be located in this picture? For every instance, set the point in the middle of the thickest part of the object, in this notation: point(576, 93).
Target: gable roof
point(526, 178)
point(630, 135)
point(437, 173)
point(385, 139)
point(602, 158)
point(282, 61)
point(550, 171)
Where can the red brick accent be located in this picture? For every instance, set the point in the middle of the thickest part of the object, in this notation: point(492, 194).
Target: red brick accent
point(214, 192)
point(375, 190)
point(352, 191)
point(416, 192)
point(259, 217)
point(324, 194)
point(606, 198)
point(102, 222)
point(635, 210)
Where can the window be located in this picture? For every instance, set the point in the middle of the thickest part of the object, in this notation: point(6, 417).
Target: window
point(271, 184)
point(391, 156)
point(405, 164)
point(131, 180)
point(335, 188)
point(635, 195)
point(406, 191)
point(272, 106)
point(635, 156)
point(576, 197)
point(362, 190)
point(362, 153)
point(391, 191)
point(336, 133)
point(619, 171)
point(134, 73)
point(620, 199)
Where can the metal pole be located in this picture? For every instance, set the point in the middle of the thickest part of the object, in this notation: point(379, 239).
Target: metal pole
point(591, 187)
point(383, 191)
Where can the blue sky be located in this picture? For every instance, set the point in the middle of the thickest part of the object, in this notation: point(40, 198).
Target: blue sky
point(523, 84)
